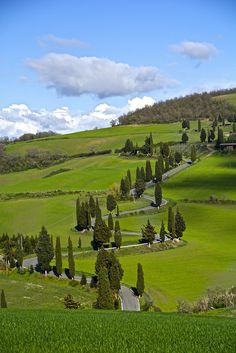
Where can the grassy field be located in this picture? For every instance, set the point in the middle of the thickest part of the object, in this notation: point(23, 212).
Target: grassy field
point(230, 98)
point(37, 292)
point(101, 332)
point(208, 259)
point(108, 138)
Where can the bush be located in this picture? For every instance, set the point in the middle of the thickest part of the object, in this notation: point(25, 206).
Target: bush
point(70, 303)
point(184, 307)
point(73, 283)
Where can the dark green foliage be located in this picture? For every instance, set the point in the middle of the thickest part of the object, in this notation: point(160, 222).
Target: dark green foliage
point(171, 160)
point(101, 233)
point(102, 260)
point(71, 261)
point(117, 211)
point(27, 246)
point(185, 124)
point(142, 174)
point(220, 138)
point(140, 280)
point(184, 137)
point(129, 147)
point(148, 171)
point(98, 213)
point(158, 194)
point(114, 276)
point(124, 188)
point(31, 269)
point(92, 206)
point(58, 256)
point(193, 153)
point(44, 250)
point(19, 255)
point(162, 232)
point(148, 233)
point(117, 235)
point(199, 127)
point(179, 224)
point(170, 219)
point(139, 187)
point(104, 299)
point(79, 243)
point(129, 176)
point(110, 221)
point(111, 203)
point(83, 215)
point(137, 173)
point(173, 233)
point(83, 280)
point(212, 135)
point(165, 150)
point(178, 157)
point(158, 172)
point(167, 164)
point(70, 303)
point(203, 135)
point(3, 300)
point(160, 162)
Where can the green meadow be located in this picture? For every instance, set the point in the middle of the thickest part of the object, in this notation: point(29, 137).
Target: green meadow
point(230, 98)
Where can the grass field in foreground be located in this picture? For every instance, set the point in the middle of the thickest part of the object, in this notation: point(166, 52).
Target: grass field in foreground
point(214, 175)
point(101, 332)
point(208, 259)
point(108, 138)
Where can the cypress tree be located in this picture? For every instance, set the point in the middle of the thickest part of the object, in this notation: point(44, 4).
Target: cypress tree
point(158, 172)
point(139, 187)
point(98, 213)
point(151, 144)
point(101, 233)
point(117, 211)
point(199, 125)
point(170, 219)
point(44, 250)
point(58, 256)
point(212, 135)
point(71, 261)
point(83, 280)
point(127, 186)
point(102, 260)
point(148, 170)
point(193, 153)
point(78, 211)
point(111, 203)
point(171, 160)
point(158, 195)
point(203, 135)
point(167, 165)
point(137, 173)
point(110, 221)
point(178, 157)
point(148, 233)
point(220, 138)
point(19, 256)
point(79, 243)
point(140, 280)
point(117, 235)
point(165, 150)
point(173, 234)
point(129, 176)
point(184, 137)
point(123, 193)
point(142, 174)
point(179, 224)
point(162, 232)
point(114, 275)
point(92, 206)
point(104, 299)
point(3, 300)
point(160, 162)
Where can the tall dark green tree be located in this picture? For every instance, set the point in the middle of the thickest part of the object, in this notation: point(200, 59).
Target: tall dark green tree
point(101, 233)
point(129, 146)
point(203, 135)
point(158, 194)
point(158, 172)
point(117, 211)
point(167, 164)
point(184, 137)
point(117, 235)
point(19, 255)
point(193, 153)
point(137, 173)
point(165, 150)
point(171, 160)
point(178, 157)
point(102, 260)
point(160, 162)
point(111, 203)
point(199, 127)
point(151, 145)
point(162, 232)
point(44, 250)
point(148, 233)
point(58, 256)
point(139, 187)
point(110, 222)
point(104, 299)
point(140, 280)
point(142, 174)
point(3, 300)
point(83, 280)
point(179, 224)
point(148, 171)
point(114, 275)
point(220, 137)
point(71, 261)
point(92, 206)
point(129, 176)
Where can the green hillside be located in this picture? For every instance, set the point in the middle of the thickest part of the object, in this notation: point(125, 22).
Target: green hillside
point(230, 98)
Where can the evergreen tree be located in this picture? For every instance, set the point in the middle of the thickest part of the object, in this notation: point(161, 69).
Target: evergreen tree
point(158, 172)
point(137, 173)
point(140, 280)
point(44, 250)
point(178, 157)
point(79, 243)
point(199, 127)
point(27, 246)
point(212, 135)
point(110, 221)
point(71, 261)
point(162, 232)
point(58, 256)
point(129, 147)
point(184, 124)
point(78, 211)
point(127, 185)
point(193, 153)
point(160, 162)
point(167, 165)
point(142, 174)
point(98, 213)
point(104, 299)
point(171, 160)
point(3, 300)
point(129, 176)
point(165, 150)
point(139, 187)
point(148, 233)
point(148, 170)
point(170, 219)
point(117, 235)
point(101, 233)
point(70, 303)
point(83, 280)
point(203, 135)
point(114, 275)
point(158, 195)
point(151, 145)
point(220, 138)
point(92, 206)
point(102, 260)
point(111, 203)
point(173, 234)
point(117, 211)
point(19, 256)
point(184, 137)
point(179, 224)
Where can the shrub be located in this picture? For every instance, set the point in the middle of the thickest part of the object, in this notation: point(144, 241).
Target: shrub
point(73, 283)
point(70, 303)
point(184, 307)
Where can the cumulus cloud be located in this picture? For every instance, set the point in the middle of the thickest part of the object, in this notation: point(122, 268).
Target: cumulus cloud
point(195, 50)
point(62, 42)
point(73, 76)
point(18, 119)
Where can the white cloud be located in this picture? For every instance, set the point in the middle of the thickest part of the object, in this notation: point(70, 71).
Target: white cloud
point(195, 50)
point(74, 76)
point(62, 42)
point(18, 119)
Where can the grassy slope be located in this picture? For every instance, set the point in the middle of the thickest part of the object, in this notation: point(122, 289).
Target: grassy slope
point(103, 332)
point(230, 98)
point(108, 138)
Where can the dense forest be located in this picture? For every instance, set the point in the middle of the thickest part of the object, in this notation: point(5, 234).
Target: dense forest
point(190, 107)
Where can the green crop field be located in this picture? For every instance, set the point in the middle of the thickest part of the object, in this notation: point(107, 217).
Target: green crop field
point(89, 331)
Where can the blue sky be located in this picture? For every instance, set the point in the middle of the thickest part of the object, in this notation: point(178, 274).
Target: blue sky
point(73, 65)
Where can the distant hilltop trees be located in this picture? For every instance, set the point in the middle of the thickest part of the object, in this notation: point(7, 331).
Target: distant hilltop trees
point(190, 107)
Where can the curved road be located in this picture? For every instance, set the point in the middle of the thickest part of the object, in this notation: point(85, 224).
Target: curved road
point(129, 302)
